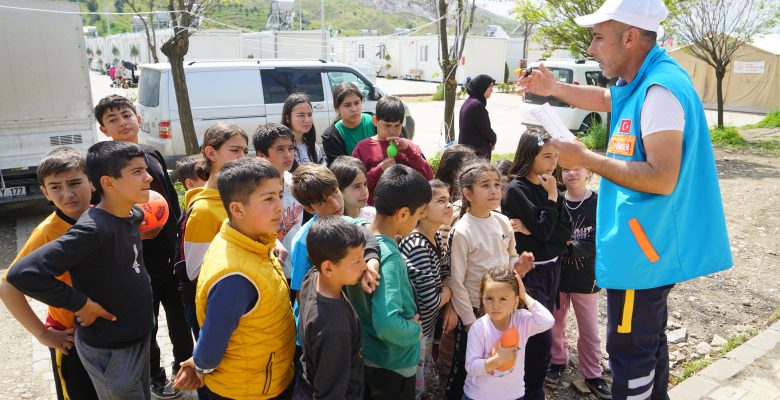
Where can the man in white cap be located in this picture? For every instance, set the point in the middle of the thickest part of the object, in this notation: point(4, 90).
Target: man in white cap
point(660, 217)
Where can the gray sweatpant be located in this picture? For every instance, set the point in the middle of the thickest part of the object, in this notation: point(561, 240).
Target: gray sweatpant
point(118, 374)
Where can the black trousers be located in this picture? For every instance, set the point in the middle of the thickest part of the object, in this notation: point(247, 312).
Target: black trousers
point(636, 342)
point(165, 291)
point(384, 384)
point(542, 284)
point(71, 377)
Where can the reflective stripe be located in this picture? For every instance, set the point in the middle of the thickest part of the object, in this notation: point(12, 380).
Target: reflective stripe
point(643, 396)
point(628, 312)
point(644, 242)
point(639, 382)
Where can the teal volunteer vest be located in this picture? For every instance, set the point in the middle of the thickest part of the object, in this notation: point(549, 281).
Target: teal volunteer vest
point(649, 240)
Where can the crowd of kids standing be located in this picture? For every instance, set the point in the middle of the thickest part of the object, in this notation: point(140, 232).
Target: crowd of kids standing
point(340, 271)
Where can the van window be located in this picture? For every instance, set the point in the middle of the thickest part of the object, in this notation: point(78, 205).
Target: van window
point(336, 77)
point(563, 75)
point(226, 88)
point(149, 88)
point(596, 78)
point(279, 83)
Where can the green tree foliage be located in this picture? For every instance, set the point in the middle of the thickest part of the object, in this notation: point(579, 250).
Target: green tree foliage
point(557, 29)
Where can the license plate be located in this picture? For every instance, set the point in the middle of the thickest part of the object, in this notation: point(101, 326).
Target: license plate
point(14, 191)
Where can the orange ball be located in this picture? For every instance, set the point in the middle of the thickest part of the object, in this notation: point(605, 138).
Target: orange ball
point(155, 211)
point(510, 338)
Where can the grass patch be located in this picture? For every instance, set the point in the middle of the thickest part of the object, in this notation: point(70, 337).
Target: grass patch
point(692, 367)
point(502, 156)
point(772, 120)
point(438, 95)
point(775, 317)
point(595, 138)
point(727, 136)
point(180, 190)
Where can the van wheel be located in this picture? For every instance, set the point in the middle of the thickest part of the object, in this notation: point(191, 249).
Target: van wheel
point(590, 120)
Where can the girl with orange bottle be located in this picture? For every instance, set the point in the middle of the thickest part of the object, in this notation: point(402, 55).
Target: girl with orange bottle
point(495, 353)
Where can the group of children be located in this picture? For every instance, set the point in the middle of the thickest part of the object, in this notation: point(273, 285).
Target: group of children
point(292, 284)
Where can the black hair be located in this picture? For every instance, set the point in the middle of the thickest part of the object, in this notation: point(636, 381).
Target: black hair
point(59, 160)
point(437, 184)
point(528, 147)
point(469, 177)
point(330, 238)
point(215, 136)
point(310, 137)
point(187, 168)
point(346, 169)
point(108, 158)
point(390, 109)
point(267, 134)
point(112, 102)
point(401, 186)
point(341, 91)
point(238, 179)
point(451, 163)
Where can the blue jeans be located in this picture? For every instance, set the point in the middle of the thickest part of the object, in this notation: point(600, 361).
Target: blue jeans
point(118, 374)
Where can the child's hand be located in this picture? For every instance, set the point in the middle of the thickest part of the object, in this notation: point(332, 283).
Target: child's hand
point(370, 279)
point(401, 143)
point(524, 264)
point(90, 312)
point(280, 252)
point(549, 184)
point(519, 227)
point(57, 339)
point(188, 378)
point(450, 319)
point(445, 296)
point(505, 354)
point(387, 163)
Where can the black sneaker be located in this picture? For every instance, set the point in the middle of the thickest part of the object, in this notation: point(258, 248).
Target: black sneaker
point(599, 387)
point(554, 373)
point(165, 390)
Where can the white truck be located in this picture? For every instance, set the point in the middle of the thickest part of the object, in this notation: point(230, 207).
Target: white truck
point(45, 95)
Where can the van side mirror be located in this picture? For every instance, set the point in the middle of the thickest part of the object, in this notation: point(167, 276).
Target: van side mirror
point(374, 94)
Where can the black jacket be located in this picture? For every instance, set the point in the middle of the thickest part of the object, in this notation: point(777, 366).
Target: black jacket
point(548, 221)
point(159, 253)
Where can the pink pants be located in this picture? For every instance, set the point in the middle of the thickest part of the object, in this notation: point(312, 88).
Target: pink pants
point(586, 309)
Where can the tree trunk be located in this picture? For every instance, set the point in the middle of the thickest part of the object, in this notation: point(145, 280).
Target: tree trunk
point(175, 49)
point(450, 94)
point(720, 73)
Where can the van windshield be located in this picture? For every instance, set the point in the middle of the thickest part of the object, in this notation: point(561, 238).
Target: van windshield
point(149, 88)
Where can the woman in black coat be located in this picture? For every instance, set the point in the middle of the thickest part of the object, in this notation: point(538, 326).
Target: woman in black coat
point(475, 130)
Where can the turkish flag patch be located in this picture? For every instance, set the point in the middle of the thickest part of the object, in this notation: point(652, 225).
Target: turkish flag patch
point(625, 126)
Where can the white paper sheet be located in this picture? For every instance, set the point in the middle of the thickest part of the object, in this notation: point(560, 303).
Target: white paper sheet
point(552, 123)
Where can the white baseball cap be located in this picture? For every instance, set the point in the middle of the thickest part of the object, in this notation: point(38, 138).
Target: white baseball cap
point(644, 14)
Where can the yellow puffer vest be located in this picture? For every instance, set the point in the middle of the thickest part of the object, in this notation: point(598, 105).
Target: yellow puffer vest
point(258, 361)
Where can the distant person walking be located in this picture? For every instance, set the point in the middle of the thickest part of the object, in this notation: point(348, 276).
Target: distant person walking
point(474, 124)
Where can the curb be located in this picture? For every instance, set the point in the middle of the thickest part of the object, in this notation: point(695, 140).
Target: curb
point(713, 381)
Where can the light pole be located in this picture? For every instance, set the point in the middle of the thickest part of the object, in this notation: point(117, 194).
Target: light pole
point(322, 29)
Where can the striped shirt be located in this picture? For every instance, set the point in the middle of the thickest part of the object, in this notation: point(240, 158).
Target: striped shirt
point(426, 262)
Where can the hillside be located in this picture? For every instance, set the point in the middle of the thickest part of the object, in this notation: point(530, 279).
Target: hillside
point(347, 17)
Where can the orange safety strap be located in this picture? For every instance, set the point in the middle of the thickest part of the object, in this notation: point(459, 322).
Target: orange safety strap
point(644, 243)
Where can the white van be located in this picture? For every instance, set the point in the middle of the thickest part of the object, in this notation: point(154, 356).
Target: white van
point(577, 72)
point(247, 92)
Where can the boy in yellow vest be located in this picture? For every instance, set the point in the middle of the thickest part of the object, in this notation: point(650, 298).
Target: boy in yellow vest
point(247, 336)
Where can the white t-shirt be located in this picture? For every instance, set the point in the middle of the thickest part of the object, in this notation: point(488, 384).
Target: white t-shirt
point(291, 222)
point(367, 213)
point(661, 111)
point(302, 153)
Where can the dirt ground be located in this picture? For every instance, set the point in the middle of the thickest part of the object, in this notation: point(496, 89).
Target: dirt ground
point(739, 300)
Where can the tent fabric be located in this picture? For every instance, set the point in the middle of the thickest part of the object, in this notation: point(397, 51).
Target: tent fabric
point(752, 92)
